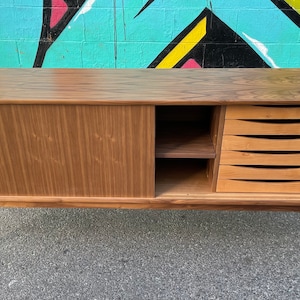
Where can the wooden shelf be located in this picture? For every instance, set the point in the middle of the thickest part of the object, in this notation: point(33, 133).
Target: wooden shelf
point(181, 177)
point(183, 140)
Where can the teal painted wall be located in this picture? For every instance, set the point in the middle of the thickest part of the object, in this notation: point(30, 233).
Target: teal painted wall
point(154, 33)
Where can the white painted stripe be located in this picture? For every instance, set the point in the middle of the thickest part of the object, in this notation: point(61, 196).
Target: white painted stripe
point(262, 49)
point(85, 8)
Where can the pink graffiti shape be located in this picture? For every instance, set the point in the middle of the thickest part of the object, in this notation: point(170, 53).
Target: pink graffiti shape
point(59, 8)
point(191, 64)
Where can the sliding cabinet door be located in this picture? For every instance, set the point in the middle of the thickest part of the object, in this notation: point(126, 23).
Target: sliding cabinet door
point(77, 150)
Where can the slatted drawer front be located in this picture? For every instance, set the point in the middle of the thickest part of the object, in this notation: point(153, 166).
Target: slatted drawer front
point(260, 150)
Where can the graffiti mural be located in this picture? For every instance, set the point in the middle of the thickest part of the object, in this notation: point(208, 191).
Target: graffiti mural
point(150, 33)
point(213, 46)
point(56, 16)
point(291, 8)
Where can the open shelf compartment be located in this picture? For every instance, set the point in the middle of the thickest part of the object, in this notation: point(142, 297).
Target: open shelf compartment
point(183, 132)
point(187, 140)
point(181, 177)
point(185, 151)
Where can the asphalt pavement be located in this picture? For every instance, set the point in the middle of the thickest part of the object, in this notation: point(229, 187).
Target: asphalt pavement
point(138, 254)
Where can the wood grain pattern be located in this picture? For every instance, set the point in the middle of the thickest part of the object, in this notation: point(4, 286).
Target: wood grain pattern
point(77, 150)
point(150, 86)
point(241, 127)
point(249, 112)
point(267, 159)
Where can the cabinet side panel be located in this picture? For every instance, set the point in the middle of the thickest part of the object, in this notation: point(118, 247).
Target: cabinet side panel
point(77, 150)
point(217, 126)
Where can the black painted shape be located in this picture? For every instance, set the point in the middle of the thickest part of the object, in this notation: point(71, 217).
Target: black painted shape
point(144, 7)
point(288, 11)
point(49, 35)
point(221, 47)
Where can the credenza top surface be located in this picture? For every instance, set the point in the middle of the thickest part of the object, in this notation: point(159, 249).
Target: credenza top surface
point(150, 86)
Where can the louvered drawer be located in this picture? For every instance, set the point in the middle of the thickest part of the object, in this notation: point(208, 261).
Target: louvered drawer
point(252, 158)
point(260, 150)
point(256, 186)
point(259, 112)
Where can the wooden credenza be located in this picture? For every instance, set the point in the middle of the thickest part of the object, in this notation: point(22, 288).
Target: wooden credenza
point(183, 139)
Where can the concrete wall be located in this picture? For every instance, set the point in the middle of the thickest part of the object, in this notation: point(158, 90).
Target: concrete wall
point(153, 33)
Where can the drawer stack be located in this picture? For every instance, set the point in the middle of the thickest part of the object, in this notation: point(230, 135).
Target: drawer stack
point(260, 150)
